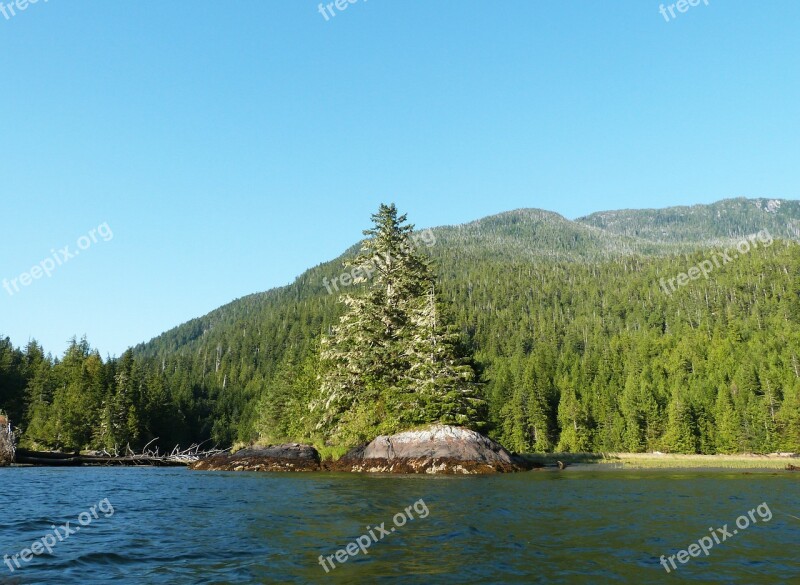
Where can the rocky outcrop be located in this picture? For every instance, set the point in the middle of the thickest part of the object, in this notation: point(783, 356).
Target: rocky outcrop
point(435, 449)
point(288, 457)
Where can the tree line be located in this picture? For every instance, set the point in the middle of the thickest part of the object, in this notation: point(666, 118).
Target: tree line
point(543, 354)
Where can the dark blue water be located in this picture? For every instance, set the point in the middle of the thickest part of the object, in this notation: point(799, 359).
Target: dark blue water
point(175, 526)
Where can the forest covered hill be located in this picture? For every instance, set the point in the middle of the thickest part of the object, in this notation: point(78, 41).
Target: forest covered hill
point(578, 344)
point(532, 234)
point(703, 224)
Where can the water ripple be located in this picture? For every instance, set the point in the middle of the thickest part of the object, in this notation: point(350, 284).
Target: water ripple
point(171, 526)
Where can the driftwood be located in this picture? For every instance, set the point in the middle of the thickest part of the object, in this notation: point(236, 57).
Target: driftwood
point(25, 457)
point(147, 457)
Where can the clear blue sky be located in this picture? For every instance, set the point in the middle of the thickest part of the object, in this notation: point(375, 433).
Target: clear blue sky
point(231, 145)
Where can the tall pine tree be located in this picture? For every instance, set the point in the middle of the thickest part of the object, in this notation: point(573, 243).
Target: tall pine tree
point(391, 362)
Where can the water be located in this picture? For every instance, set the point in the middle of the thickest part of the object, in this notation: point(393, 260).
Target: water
point(175, 526)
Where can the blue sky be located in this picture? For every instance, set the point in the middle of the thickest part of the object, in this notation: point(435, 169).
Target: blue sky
point(229, 146)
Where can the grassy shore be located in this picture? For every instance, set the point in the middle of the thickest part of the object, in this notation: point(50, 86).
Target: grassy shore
point(665, 460)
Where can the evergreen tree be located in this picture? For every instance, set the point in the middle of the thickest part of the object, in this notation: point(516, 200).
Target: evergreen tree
point(681, 431)
point(120, 417)
point(443, 381)
point(391, 363)
point(728, 426)
point(574, 422)
point(789, 420)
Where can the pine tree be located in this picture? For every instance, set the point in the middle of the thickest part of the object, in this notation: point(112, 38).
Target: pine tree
point(574, 422)
point(631, 406)
point(640, 409)
point(391, 362)
point(681, 432)
point(442, 380)
point(538, 420)
point(728, 427)
point(789, 420)
point(120, 418)
point(513, 416)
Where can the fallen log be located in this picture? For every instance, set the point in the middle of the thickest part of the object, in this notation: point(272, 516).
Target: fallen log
point(52, 459)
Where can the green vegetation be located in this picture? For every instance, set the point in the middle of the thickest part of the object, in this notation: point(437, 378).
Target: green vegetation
point(574, 347)
point(391, 363)
point(724, 220)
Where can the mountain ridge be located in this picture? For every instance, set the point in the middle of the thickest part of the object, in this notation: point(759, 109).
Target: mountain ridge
point(593, 237)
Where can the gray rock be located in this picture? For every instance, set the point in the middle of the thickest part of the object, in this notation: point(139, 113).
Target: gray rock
point(434, 449)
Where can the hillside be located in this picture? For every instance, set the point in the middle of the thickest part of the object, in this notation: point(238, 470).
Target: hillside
point(520, 236)
point(501, 277)
point(578, 345)
point(702, 224)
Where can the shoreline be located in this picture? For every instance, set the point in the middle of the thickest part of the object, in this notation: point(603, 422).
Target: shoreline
point(667, 461)
point(579, 462)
